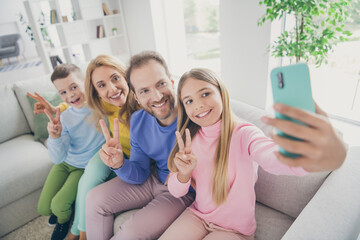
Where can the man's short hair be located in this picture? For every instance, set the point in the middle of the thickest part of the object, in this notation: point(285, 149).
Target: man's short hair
point(141, 59)
point(64, 70)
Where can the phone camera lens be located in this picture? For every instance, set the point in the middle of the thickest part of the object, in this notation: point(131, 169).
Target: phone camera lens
point(280, 80)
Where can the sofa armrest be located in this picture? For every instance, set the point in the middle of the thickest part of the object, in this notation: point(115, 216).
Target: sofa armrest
point(334, 211)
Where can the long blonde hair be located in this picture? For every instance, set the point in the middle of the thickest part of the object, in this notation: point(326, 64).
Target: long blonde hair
point(220, 185)
point(92, 96)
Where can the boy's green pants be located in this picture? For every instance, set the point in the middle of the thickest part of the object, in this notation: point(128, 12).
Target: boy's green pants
point(59, 191)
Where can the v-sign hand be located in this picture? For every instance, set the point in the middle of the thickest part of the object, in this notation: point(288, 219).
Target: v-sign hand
point(42, 104)
point(111, 152)
point(54, 126)
point(184, 160)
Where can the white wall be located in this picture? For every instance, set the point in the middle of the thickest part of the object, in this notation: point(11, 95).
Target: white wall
point(148, 29)
point(170, 35)
point(139, 25)
point(9, 18)
point(243, 46)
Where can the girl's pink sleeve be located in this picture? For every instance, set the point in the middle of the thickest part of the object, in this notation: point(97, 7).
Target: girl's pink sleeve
point(262, 150)
point(177, 188)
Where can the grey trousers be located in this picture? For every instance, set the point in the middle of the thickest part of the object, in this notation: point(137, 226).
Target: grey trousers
point(159, 209)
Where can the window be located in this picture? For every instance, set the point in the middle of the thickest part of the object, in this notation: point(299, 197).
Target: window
point(336, 85)
point(201, 18)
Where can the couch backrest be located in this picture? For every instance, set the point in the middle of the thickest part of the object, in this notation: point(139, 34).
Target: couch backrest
point(12, 120)
point(287, 194)
point(9, 40)
point(40, 85)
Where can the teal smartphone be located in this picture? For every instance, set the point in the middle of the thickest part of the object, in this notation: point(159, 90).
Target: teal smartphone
point(291, 86)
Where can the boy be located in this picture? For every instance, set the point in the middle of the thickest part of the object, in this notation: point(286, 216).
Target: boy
point(72, 142)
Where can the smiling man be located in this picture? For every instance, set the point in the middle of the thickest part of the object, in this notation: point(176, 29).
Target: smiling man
point(152, 136)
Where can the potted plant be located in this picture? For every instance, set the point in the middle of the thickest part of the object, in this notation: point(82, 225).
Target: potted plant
point(114, 31)
point(319, 25)
point(43, 30)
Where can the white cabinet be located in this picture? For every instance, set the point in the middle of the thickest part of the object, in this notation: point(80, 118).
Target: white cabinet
point(77, 30)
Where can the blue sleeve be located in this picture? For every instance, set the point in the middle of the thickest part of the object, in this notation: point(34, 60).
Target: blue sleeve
point(58, 147)
point(137, 169)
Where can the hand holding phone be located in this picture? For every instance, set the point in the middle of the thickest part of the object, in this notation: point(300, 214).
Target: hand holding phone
point(291, 86)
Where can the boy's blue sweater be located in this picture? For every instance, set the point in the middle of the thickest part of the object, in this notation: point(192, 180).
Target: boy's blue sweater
point(79, 140)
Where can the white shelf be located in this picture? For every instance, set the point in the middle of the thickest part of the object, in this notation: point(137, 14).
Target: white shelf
point(113, 15)
point(91, 41)
point(78, 36)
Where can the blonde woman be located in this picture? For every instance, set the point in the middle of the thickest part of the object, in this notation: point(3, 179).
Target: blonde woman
point(107, 94)
point(221, 155)
point(109, 97)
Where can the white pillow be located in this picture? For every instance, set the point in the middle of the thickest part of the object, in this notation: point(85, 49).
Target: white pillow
point(12, 120)
point(40, 84)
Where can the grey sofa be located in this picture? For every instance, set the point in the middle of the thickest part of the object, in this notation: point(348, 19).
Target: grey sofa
point(24, 163)
point(318, 206)
point(10, 46)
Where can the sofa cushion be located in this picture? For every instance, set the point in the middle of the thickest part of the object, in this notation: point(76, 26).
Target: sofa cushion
point(271, 224)
point(40, 84)
point(122, 217)
point(250, 114)
point(24, 166)
point(7, 50)
point(287, 194)
point(13, 122)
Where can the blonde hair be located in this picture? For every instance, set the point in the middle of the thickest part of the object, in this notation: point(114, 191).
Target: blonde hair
point(92, 96)
point(220, 185)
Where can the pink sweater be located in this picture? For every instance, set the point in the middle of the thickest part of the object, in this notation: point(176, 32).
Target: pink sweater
point(249, 148)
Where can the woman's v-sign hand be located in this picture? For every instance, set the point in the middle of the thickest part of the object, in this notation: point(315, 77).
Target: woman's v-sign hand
point(42, 104)
point(111, 152)
point(54, 126)
point(184, 160)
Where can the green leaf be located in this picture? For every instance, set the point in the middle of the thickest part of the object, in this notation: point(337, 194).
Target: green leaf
point(347, 33)
point(322, 27)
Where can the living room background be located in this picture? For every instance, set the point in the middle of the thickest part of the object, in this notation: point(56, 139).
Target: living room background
point(242, 51)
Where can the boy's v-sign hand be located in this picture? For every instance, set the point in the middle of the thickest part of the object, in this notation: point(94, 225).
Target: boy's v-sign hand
point(111, 152)
point(184, 160)
point(42, 104)
point(54, 126)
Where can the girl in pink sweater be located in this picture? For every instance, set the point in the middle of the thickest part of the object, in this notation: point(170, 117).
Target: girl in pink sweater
point(221, 156)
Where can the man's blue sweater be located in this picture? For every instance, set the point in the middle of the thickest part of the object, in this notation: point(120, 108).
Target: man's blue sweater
point(149, 141)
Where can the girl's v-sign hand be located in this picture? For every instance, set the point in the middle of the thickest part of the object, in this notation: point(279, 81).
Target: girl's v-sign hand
point(111, 152)
point(184, 160)
point(54, 126)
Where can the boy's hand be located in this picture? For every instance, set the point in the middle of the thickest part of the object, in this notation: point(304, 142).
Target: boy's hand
point(184, 160)
point(111, 152)
point(54, 126)
point(42, 104)
point(321, 150)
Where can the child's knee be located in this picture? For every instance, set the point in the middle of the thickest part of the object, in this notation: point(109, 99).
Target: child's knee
point(43, 210)
point(62, 209)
